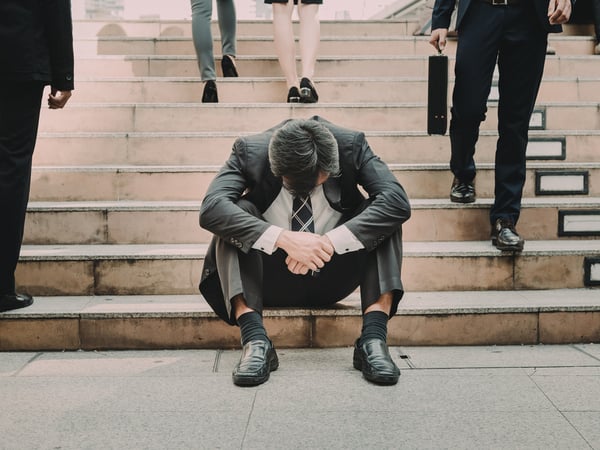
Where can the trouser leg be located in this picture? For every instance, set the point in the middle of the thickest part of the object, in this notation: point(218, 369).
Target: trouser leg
point(475, 60)
point(521, 64)
point(227, 25)
point(19, 118)
point(202, 36)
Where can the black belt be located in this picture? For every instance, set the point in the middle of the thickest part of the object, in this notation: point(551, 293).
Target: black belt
point(502, 2)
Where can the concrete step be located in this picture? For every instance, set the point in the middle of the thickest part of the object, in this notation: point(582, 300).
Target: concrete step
point(273, 90)
point(435, 266)
point(84, 183)
point(327, 66)
point(185, 321)
point(211, 147)
point(179, 28)
point(176, 222)
point(153, 117)
point(393, 44)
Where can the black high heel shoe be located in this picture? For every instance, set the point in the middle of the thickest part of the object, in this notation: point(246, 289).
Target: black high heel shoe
point(210, 92)
point(308, 93)
point(293, 95)
point(228, 66)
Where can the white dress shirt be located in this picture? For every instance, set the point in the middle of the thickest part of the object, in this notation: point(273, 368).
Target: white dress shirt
point(279, 215)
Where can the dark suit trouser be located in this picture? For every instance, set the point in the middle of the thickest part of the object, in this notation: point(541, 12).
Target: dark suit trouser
point(19, 118)
point(264, 280)
point(512, 37)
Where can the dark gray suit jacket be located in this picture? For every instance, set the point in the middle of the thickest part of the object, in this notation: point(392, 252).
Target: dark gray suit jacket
point(247, 175)
point(442, 12)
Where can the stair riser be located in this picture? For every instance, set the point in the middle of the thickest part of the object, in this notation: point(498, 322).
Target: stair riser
point(178, 28)
point(268, 66)
point(181, 226)
point(263, 45)
point(121, 149)
point(275, 91)
point(297, 332)
point(203, 117)
point(58, 185)
point(181, 276)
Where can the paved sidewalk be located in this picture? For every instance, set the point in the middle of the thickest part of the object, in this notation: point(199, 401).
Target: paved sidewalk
point(447, 397)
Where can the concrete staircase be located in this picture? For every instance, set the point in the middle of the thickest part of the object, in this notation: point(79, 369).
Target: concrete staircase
point(113, 250)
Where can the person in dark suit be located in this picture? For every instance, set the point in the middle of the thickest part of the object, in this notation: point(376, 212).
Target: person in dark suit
point(292, 228)
point(514, 34)
point(36, 50)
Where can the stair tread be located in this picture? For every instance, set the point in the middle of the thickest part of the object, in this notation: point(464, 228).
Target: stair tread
point(197, 251)
point(413, 303)
point(152, 205)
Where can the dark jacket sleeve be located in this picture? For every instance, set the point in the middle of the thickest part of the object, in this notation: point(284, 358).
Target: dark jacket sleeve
point(219, 212)
point(36, 42)
point(442, 13)
point(59, 36)
point(387, 207)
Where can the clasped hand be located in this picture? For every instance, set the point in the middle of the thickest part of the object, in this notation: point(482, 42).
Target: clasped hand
point(306, 251)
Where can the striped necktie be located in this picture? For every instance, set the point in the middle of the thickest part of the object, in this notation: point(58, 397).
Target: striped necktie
point(302, 215)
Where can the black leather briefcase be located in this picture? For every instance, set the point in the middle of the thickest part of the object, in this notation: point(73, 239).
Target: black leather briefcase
point(437, 94)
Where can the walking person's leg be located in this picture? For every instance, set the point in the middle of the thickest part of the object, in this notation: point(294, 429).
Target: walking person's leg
point(203, 44)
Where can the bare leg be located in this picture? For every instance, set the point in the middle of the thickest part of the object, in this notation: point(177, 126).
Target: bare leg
point(239, 306)
point(383, 304)
point(283, 34)
point(310, 37)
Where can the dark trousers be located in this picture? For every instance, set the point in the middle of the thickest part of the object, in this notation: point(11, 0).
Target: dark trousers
point(19, 118)
point(512, 37)
point(265, 281)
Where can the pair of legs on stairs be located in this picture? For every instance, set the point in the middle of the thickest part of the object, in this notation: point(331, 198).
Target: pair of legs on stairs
point(310, 36)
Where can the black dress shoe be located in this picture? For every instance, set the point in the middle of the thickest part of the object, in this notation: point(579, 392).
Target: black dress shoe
point(293, 95)
point(228, 66)
point(14, 301)
point(210, 92)
point(308, 93)
point(505, 236)
point(256, 363)
point(373, 358)
point(462, 191)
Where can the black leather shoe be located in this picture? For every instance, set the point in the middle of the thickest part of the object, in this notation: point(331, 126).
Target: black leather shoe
point(210, 92)
point(373, 358)
point(462, 191)
point(293, 95)
point(256, 363)
point(308, 93)
point(14, 301)
point(505, 236)
point(228, 66)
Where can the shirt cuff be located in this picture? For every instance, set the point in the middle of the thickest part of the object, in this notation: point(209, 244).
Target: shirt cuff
point(268, 240)
point(343, 240)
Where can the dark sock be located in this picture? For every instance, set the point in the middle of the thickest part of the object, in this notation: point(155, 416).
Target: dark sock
point(251, 327)
point(374, 326)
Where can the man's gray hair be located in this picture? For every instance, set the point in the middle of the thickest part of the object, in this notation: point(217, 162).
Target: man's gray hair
point(300, 150)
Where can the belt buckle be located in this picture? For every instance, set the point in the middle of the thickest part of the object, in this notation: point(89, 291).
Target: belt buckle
point(500, 2)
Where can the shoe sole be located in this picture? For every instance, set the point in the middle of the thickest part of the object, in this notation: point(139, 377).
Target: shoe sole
point(255, 381)
point(12, 308)
point(462, 200)
point(509, 248)
point(385, 380)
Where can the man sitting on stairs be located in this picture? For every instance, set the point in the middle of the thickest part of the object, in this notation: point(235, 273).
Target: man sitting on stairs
point(292, 229)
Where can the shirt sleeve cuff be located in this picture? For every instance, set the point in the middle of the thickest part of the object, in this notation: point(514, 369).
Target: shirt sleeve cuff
point(268, 240)
point(343, 240)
